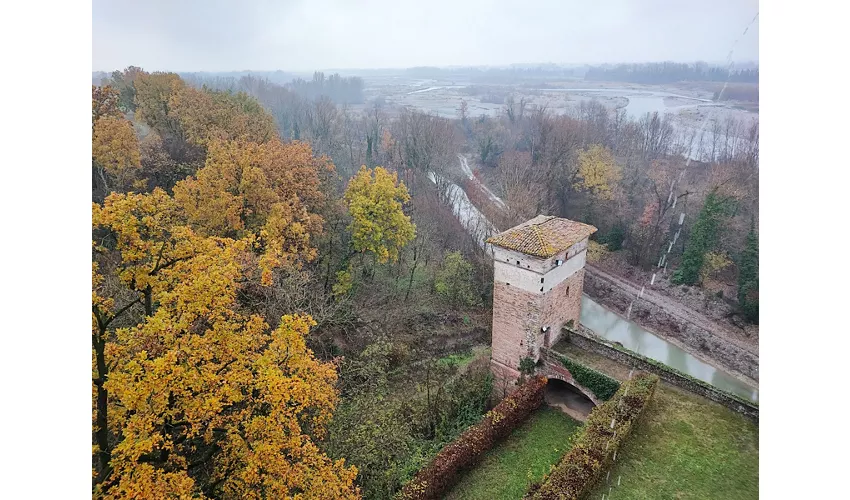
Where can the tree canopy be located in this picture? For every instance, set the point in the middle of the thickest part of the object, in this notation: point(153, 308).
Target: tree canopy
point(375, 200)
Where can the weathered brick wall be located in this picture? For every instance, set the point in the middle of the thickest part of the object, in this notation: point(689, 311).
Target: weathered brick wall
point(520, 311)
point(559, 306)
point(516, 315)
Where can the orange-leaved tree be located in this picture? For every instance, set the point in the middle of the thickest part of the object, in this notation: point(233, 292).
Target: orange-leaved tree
point(375, 200)
point(266, 193)
point(104, 102)
point(115, 150)
point(207, 115)
point(194, 397)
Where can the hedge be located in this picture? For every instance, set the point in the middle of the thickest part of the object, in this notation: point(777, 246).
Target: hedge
point(600, 384)
point(433, 480)
point(592, 453)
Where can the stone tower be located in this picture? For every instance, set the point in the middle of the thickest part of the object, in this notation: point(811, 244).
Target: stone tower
point(538, 274)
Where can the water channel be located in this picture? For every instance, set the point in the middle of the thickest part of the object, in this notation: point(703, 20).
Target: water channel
point(615, 328)
point(606, 323)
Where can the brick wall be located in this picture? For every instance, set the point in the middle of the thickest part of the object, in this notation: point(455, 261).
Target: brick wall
point(559, 307)
point(516, 314)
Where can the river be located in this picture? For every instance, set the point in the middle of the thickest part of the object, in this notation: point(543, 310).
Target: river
point(604, 322)
point(615, 328)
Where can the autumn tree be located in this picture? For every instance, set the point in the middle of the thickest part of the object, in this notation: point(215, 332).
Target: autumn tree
point(194, 398)
point(124, 83)
point(153, 101)
point(375, 201)
point(598, 173)
point(205, 115)
point(663, 192)
point(115, 150)
point(427, 145)
point(523, 188)
point(267, 193)
point(104, 102)
point(455, 281)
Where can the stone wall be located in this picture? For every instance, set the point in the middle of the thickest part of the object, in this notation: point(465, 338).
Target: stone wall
point(554, 370)
point(599, 346)
point(663, 323)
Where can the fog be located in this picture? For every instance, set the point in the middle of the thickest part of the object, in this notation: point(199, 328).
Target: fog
point(215, 35)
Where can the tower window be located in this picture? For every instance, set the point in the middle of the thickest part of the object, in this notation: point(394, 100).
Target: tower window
point(541, 280)
point(517, 262)
point(568, 291)
point(541, 288)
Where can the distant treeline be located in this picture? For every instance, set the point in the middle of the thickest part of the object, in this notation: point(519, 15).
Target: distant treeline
point(338, 89)
point(279, 77)
point(341, 90)
point(669, 72)
point(513, 74)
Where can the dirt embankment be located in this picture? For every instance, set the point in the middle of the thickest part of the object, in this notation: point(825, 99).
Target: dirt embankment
point(674, 322)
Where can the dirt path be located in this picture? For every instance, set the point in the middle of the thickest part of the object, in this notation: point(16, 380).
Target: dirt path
point(674, 308)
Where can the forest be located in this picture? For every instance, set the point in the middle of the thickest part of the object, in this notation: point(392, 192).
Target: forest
point(670, 72)
point(283, 301)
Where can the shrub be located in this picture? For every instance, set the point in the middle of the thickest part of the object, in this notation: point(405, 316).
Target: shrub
point(592, 451)
point(527, 366)
point(713, 263)
point(614, 238)
point(596, 252)
point(600, 384)
point(389, 438)
point(455, 281)
point(433, 480)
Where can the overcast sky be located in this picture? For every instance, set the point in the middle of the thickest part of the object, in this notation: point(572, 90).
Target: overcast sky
point(304, 35)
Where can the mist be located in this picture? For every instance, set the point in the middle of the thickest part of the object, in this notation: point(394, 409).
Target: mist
point(337, 34)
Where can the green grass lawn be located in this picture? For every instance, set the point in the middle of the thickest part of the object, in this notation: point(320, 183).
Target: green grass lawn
point(686, 447)
point(525, 456)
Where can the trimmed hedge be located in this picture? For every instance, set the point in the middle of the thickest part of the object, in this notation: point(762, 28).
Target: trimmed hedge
point(603, 386)
point(592, 453)
point(433, 480)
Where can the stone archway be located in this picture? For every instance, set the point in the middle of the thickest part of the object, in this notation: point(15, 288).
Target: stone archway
point(568, 398)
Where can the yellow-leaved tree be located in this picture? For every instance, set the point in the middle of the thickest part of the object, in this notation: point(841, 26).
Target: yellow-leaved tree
point(207, 115)
point(375, 201)
point(266, 193)
point(194, 398)
point(115, 150)
point(597, 173)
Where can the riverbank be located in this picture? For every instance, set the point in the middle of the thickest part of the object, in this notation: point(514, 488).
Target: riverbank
point(673, 322)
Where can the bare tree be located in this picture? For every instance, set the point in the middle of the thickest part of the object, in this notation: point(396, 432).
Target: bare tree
point(524, 187)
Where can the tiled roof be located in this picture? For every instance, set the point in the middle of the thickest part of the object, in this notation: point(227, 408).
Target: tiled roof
point(543, 236)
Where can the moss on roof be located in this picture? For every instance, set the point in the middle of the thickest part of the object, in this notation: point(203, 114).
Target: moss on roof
point(543, 236)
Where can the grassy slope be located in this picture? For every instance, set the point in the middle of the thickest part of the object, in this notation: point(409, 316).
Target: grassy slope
point(687, 447)
point(526, 455)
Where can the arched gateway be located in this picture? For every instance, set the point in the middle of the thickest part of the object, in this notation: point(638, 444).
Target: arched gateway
point(538, 275)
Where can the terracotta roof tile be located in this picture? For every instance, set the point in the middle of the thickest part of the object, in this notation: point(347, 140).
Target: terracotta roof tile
point(543, 236)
